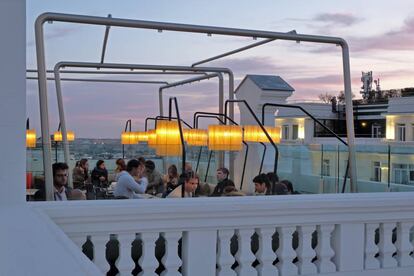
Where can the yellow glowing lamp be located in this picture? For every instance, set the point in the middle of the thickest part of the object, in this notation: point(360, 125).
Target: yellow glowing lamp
point(128, 138)
point(152, 138)
point(222, 137)
point(141, 136)
point(256, 134)
point(167, 133)
point(58, 137)
point(30, 138)
point(168, 150)
point(196, 137)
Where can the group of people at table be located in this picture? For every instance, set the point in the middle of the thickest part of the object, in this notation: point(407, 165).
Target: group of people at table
point(139, 178)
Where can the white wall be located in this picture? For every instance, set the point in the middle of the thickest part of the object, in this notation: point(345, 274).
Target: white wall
point(13, 101)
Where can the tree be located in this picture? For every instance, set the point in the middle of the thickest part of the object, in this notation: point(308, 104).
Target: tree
point(326, 98)
point(341, 97)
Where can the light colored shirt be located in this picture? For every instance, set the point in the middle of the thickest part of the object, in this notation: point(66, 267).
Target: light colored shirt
point(60, 196)
point(127, 186)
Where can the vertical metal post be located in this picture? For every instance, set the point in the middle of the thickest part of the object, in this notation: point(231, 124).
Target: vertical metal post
point(349, 117)
point(62, 123)
point(44, 115)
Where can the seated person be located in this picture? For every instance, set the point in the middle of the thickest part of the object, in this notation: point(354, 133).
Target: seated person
point(280, 189)
point(191, 181)
point(127, 186)
point(80, 173)
point(61, 192)
point(262, 185)
point(155, 183)
point(99, 175)
point(170, 180)
point(222, 177)
point(289, 187)
point(120, 166)
point(230, 190)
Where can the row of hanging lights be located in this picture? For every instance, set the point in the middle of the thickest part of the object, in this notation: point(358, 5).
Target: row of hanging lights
point(165, 139)
point(57, 137)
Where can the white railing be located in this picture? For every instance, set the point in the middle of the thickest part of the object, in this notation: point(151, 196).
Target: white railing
point(348, 234)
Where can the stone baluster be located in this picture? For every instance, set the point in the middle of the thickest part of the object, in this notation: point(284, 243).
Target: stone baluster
point(99, 242)
point(324, 250)
point(404, 245)
point(371, 249)
point(244, 255)
point(171, 261)
point(125, 263)
point(224, 258)
point(148, 262)
point(386, 247)
point(285, 252)
point(265, 254)
point(305, 251)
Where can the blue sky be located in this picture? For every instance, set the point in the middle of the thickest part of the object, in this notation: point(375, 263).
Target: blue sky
point(380, 35)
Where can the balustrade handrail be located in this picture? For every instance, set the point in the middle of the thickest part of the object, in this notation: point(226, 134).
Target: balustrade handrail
point(191, 213)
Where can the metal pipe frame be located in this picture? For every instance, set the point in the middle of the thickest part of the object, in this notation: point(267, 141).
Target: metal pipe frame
point(105, 41)
point(94, 20)
point(217, 116)
point(60, 106)
point(205, 77)
point(307, 113)
point(112, 72)
point(162, 118)
point(261, 126)
point(102, 80)
point(319, 123)
point(128, 123)
point(238, 50)
point(62, 64)
point(177, 113)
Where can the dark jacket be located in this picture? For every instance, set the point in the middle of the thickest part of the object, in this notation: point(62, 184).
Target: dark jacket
point(96, 174)
point(41, 194)
point(219, 189)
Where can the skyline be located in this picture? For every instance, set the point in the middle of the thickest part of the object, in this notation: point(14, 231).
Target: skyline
point(95, 111)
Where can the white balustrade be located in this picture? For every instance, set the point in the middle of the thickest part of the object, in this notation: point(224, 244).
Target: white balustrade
point(224, 258)
point(324, 251)
point(244, 255)
point(285, 252)
point(208, 224)
point(305, 251)
point(404, 245)
point(371, 249)
point(99, 242)
point(386, 247)
point(171, 260)
point(265, 254)
point(125, 263)
point(148, 262)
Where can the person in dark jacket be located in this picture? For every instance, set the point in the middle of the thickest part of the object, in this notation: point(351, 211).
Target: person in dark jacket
point(99, 175)
point(222, 177)
point(61, 192)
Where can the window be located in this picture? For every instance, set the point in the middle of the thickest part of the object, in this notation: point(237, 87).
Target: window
point(295, 132)
point(411, 174)
point(376, 131)
point(400, 132)
point(285, 132)
point(376, 172)
point(326, 168)
point(412, 132)
point(400, 173)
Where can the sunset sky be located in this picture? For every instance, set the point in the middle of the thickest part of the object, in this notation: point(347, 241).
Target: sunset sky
point(380, 35)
